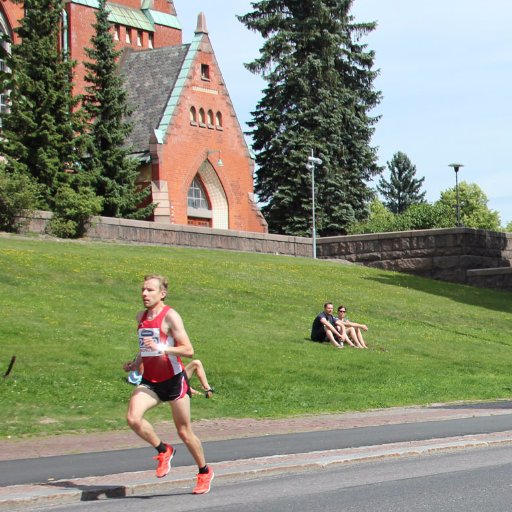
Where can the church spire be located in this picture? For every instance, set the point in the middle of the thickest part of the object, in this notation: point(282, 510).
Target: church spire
point(201, 24)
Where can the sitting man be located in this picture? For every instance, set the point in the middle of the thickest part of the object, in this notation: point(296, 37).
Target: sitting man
point(352, 329)
point(324, 327)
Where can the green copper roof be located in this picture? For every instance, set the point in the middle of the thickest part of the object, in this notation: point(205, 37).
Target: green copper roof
point(121, 15)
point(162, 18)
point(144, 19)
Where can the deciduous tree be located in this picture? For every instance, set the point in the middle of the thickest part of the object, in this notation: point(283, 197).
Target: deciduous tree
point(474, 212)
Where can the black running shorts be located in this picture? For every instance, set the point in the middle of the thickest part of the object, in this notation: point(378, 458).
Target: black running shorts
point(169, 390)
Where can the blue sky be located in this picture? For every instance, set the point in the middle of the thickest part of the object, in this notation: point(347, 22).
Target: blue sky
point(445, 75)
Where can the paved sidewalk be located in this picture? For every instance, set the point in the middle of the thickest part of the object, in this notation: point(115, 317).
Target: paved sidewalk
point(26, 497)
point(216, 430)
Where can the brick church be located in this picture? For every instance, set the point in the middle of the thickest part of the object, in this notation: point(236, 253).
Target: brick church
point(186, 133)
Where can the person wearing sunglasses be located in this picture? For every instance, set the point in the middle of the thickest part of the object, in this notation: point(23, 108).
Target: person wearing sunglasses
point(352, 329)
point(324, 328)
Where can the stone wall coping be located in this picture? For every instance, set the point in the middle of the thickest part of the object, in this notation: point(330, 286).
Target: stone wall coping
point(160, 226)
point(489, 271)
point(415, 233)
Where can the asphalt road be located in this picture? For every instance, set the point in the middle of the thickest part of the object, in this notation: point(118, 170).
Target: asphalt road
point(476, 480)
point(41, 470)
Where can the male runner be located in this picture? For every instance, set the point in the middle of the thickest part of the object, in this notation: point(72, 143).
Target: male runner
point(162, 342)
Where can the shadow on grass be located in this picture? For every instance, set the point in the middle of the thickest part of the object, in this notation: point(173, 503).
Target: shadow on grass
point(496, 300)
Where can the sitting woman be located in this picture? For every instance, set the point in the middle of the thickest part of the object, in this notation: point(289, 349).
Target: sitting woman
point(352, 329)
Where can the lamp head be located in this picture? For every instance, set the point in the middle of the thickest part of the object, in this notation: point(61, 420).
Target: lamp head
point(209, 152)
point(456, 167)
point(314, 160)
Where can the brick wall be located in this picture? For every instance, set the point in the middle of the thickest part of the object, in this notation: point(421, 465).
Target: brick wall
point(181, 158)
point(81, 19)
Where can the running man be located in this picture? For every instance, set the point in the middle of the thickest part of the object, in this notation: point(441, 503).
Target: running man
point(194, 367)
point(162, 342)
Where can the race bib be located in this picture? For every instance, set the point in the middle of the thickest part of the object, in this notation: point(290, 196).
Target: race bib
point(149, 332)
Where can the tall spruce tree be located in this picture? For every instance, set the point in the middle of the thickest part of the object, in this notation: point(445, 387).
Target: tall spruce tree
point(109, 159)
point(403, 189)
point(41, 132)
point(318, 97)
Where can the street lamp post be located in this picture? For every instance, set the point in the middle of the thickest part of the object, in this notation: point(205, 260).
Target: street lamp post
point(456, 168)
point(312, 161)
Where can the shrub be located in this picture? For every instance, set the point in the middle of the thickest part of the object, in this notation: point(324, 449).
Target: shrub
point(424, 216)
point(18, 196)
point(73, 211)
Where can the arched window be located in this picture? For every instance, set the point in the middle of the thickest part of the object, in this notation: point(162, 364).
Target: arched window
point(218, 120)
point(207, 185)
point(193, 115)
point(197, 197)
point(210, 117)
point(202, 116)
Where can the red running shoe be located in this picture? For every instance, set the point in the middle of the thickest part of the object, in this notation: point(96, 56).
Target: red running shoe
point(164, 461)
point(204, 481)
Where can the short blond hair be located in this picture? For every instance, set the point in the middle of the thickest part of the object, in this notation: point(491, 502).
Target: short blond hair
point(162, 281)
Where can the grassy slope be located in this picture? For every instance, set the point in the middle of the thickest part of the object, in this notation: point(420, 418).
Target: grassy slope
point(68, 312)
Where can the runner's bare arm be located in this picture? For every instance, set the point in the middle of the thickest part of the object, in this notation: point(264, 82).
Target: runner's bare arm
point(173, 325)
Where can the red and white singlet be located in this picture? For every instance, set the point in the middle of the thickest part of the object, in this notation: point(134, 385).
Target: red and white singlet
point(157, 366)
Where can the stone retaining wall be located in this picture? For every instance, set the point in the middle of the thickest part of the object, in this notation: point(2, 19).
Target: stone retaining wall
point(446, 254)
point(461, 255)
point(105, 228)
point(499, 278)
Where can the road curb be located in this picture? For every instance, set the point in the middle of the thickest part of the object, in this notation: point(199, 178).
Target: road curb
point(62, 492)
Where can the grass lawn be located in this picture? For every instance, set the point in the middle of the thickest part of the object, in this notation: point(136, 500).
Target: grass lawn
point(68, 315)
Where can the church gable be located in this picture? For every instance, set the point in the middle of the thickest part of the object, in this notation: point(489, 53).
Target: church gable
point(200, 97)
